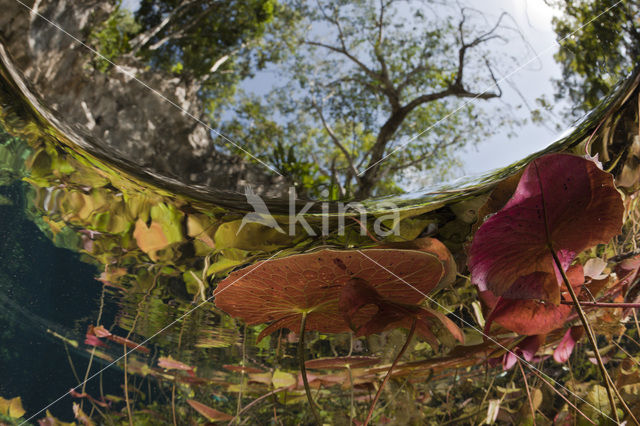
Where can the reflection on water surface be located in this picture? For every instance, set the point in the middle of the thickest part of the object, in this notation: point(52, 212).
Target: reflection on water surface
point(100, 258)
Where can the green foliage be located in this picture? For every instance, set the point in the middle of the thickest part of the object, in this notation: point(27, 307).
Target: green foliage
point(112, 37)
point(361, 81)
point(13, 154)
point(210, 45)
point(600, 44)
point(200, 33)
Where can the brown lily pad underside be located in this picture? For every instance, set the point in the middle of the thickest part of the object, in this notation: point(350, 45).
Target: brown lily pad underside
point(281, 291)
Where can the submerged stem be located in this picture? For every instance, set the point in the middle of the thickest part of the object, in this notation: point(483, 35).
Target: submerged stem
point(126, 388)
point(303, 370)
point(388, 375)
point(604, 304)
point(609, 386)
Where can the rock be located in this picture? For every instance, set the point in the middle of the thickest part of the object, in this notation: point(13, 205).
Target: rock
point(138, 121)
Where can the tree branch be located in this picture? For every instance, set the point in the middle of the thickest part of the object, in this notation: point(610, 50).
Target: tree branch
point(346, 53)
point(423, 157)
point(181, 32)
point(489, 35)
point(336, 141)
point(143, 38)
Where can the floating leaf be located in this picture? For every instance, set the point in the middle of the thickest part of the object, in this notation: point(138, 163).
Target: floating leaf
point(502, 192)
point(568, 342)
point(150, 238)
point(164, 229)
point(223, 264)
point(211, 414)
point(12, 407)
point(331, 363)
point(198, 227)
point(530, 317)
point(242, 369)
point(562, 201)
point(281, 291)
point(171, 364)
point(250, 236)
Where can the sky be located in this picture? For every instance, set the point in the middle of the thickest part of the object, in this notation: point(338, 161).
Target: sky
point(532, 77)
point(533, 80)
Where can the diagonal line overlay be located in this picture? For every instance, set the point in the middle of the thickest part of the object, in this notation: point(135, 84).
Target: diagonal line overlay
point(189, 312)
point(404, 145)
point(449, 311)
point(151, 89)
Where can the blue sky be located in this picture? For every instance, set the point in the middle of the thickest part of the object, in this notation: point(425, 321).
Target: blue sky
point(533, 80)
point(532, 77)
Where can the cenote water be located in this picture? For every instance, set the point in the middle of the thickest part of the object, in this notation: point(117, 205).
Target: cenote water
point(46, 293)
point(133, 290)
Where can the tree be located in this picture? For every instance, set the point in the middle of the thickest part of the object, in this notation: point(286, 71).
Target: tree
point(166, 131)
point(210, 45)
point(600, 44)
point(367, 78)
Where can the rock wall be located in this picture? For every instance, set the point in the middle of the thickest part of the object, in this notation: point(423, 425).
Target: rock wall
point(119, 112)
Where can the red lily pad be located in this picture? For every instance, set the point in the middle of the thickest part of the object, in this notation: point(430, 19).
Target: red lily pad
point(531, 317)
point(169, 363)
point(562, 201)
point(211, 414)
point(568, 342)
point(280, 291)
point(242, 369)
point(358, 294)
point(431, 245)
point(332, 363)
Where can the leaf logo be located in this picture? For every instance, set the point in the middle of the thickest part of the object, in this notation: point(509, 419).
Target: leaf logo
point(260, 213)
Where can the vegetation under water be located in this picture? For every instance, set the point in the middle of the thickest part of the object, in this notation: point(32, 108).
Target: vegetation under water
point(195, 318)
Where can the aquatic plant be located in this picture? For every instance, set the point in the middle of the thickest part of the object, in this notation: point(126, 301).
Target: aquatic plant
point(334, 291)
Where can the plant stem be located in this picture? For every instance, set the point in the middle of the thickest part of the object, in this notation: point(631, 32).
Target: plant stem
point(257, 400)
point(388, 375)
point(126, 387)
point(351, 406)
point(590, 335)
point(526, 386)
point(303, 370)
point(604, 304)
point(571, 404)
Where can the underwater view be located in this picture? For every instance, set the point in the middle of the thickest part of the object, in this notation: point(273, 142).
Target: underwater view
point(272, 212)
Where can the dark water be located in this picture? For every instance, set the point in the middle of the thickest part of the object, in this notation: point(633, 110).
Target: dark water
point(42, 287)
